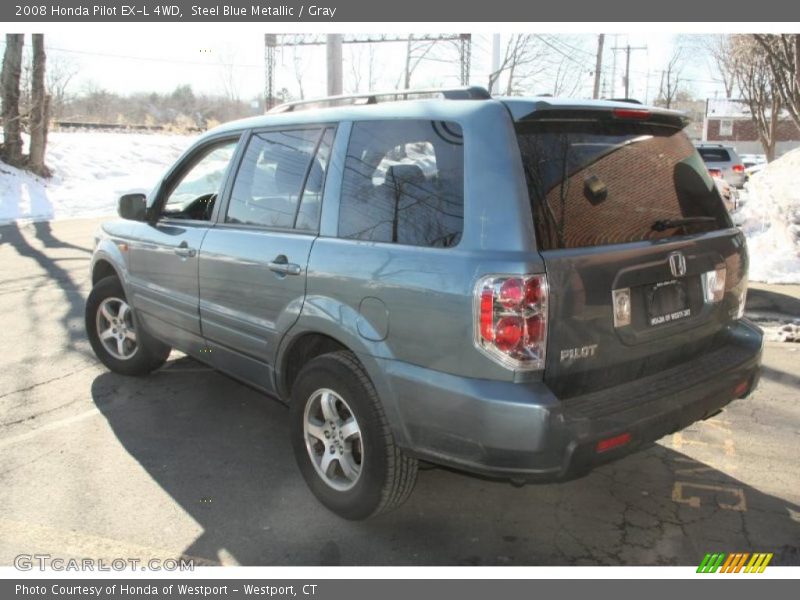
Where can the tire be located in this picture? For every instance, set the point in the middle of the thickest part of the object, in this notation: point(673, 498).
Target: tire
point(129, 350)
point(367, 473)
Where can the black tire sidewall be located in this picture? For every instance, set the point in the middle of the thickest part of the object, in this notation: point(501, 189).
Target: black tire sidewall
point(149, 354)
point(363, 499)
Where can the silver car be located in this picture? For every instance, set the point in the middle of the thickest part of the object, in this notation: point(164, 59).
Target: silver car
point(724, 159)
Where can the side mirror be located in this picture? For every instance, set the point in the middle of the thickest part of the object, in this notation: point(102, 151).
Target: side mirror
point(133, 207)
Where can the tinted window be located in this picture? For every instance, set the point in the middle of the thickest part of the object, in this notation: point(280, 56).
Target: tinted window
point(714, 154)
point(311, 202)
point(593, 184)
point(404, 183)
point(269, 183)
point(194, 193)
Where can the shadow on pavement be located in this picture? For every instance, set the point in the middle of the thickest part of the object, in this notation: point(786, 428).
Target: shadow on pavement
point(780, 376)
point(72, 317)
point(221, 451)
point(768, 301)
point(44, 232)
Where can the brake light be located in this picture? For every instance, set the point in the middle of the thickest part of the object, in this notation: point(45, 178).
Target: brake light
point(632, 113)
point(614, 442)
point(741, 389)
point(738, 168)
point(511, 320)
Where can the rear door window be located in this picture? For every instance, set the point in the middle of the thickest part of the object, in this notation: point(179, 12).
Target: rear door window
point(594, 183)
point(404, 183)
point(280, 180)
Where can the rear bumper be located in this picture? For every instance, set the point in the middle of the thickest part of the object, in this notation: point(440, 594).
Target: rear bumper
point(522, 431)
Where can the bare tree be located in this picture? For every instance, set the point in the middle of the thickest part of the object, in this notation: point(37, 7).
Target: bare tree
point(40, 109)
point(754, 78)
point(521, 60)
point(718, 48)
point(783, 57)
point(671, 78)
point(416, 52)
point(358, 63)
point(227, 74)
point(9, 81)
point(59, 74)
point(566, 77)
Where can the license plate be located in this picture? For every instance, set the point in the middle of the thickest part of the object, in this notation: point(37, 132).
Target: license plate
point(667, 301)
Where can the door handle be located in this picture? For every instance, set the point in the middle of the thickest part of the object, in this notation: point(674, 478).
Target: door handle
point(282, 265)
point(184, 251)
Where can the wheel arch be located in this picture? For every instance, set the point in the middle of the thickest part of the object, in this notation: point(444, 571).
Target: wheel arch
point(304, 343)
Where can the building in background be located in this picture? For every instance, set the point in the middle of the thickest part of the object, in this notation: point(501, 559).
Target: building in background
point(729, 121)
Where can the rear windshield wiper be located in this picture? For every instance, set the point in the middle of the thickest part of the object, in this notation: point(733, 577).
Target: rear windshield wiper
point(664, 224)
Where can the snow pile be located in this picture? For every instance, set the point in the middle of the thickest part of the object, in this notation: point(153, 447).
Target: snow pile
point(771, 221)
point(90, 171)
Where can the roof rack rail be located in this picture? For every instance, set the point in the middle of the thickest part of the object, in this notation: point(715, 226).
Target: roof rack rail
point(462, 93)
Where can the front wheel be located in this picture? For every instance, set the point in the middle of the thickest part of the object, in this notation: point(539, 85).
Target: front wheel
point(115, 335)
point(342, 442)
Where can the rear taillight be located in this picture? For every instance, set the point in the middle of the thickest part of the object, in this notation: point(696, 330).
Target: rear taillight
point(738, 168)
point(511, 319)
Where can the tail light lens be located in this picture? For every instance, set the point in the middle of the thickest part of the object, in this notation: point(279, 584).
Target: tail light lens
point(738, 168)
point(511, 320)
point(714, 285)
point(739, 314)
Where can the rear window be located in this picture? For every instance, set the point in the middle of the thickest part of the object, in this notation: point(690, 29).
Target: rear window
point(599, 183)
point(714, 154)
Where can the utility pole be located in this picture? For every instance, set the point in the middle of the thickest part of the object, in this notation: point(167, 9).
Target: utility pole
point(613, 92)
point(495, 62)
point(334, 52)
point(628, 49)
point(598, 68)
point(270, 41)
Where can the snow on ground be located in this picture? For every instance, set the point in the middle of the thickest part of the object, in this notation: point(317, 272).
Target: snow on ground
point(91, 170)
point(771, 221)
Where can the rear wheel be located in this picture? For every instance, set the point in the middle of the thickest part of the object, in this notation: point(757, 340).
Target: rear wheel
point(115, 335)
point(342, 442)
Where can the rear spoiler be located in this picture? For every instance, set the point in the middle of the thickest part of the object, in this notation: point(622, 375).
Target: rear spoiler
point(526, 111)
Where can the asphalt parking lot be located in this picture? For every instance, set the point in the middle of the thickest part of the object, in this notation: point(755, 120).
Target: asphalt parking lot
point(189, 462)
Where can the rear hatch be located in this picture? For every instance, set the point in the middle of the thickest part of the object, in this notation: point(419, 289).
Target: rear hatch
point(644, 265)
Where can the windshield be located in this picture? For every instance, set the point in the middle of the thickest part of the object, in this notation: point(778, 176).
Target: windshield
point(594, 183)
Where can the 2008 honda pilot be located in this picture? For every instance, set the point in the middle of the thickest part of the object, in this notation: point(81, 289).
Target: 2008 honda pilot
point(520, 288)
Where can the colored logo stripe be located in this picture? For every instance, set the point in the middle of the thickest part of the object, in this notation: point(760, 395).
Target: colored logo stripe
point(735, 562)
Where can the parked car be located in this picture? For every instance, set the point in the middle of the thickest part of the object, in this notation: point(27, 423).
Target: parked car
point(725, 159)
point(751, 160)
point(522, 288)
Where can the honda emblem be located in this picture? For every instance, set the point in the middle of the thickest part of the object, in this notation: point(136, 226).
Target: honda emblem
point(677, 264)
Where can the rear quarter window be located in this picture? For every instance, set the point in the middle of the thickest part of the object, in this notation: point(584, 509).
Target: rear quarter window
point(598, 183)
point(403, 183)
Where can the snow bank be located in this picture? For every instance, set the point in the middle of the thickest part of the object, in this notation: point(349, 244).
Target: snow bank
point(771, 221)
point(90, 171)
